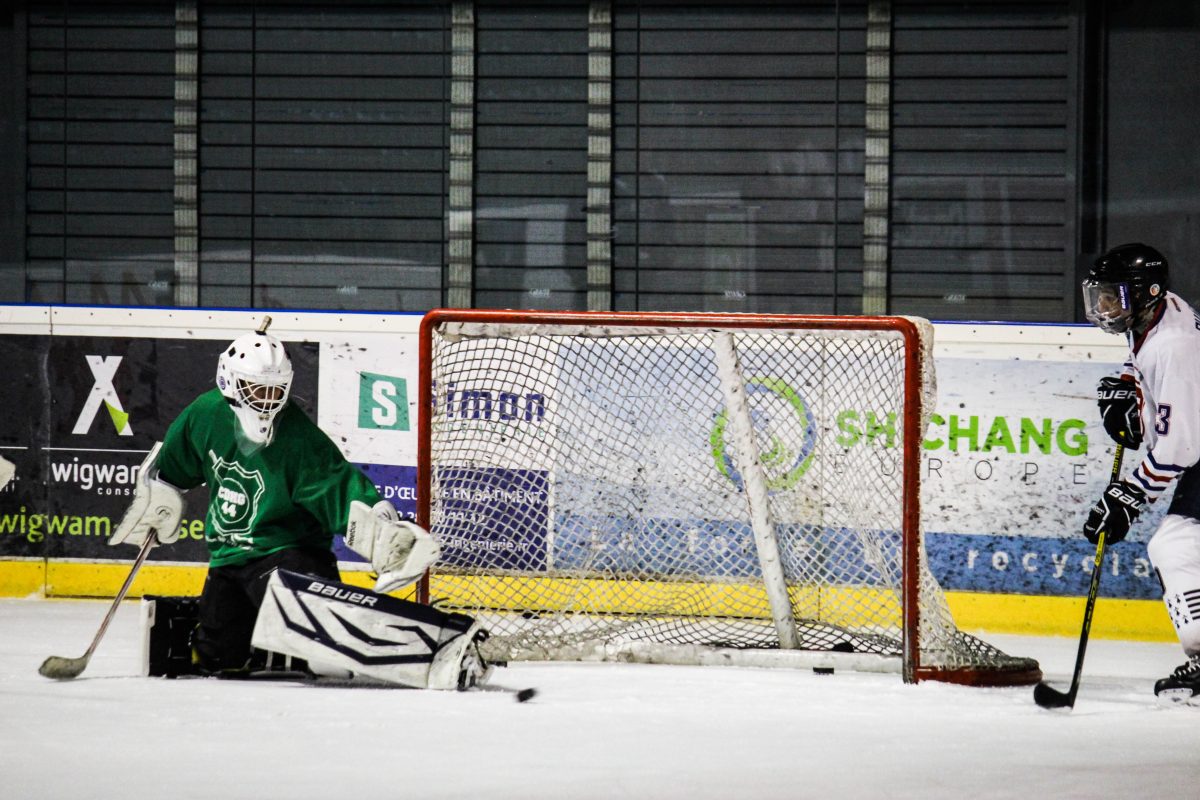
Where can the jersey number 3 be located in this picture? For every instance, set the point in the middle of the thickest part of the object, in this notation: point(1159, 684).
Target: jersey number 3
point(1163, 424)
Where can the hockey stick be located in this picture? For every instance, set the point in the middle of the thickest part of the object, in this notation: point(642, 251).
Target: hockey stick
point(64, 669)
point(1043, 694)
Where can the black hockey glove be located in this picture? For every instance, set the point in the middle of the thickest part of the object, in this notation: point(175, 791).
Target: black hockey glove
point(1119, 411)
point(1114, 512)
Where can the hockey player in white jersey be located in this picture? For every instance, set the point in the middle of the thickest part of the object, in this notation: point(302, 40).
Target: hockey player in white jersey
point(1154, 401)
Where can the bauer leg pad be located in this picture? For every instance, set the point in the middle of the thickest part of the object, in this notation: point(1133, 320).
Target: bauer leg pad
point(371, 635)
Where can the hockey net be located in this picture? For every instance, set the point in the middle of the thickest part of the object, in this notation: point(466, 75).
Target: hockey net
point(688, 488)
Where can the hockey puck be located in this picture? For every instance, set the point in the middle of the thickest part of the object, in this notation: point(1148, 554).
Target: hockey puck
point(526, 694)
point(822, 670)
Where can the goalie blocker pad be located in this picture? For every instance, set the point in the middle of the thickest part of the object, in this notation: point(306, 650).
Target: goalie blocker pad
point(369, 634)
point(167, 627)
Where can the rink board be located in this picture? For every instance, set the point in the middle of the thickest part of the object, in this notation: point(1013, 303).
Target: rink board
point(1115, 618)
point(1006, 476)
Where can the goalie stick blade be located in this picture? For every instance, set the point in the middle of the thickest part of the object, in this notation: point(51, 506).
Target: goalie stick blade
point(62, 669)
point(1047, 696)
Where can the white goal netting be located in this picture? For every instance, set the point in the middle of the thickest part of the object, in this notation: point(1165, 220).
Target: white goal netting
point(613, 491)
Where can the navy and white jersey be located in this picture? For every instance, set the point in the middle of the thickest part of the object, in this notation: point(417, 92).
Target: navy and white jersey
point(1165, 363)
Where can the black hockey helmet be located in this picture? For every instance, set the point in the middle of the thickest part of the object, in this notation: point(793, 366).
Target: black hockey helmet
point(1124, 286)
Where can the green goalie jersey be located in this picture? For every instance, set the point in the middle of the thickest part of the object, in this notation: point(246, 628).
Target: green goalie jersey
point(295, 492)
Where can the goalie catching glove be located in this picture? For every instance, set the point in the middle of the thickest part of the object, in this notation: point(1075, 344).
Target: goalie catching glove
point(399, 551)
point(157, 508)
point(1118, 403)
point(1114, 512)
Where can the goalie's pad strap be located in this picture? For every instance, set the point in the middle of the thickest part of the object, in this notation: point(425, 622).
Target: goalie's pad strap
point(368, 633)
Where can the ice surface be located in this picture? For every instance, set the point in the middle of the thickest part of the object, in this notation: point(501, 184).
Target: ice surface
point(594, 730)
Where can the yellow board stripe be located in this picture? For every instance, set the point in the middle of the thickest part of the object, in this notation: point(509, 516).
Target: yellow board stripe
point(71, 579)
point(1139, 620)
point(22, 578)
point(1039, 615)
point(716, 599)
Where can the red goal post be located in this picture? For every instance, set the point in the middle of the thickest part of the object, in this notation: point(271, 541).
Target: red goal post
point(688, 488)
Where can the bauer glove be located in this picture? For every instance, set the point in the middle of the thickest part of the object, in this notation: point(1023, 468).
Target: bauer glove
point(1114, 512)
point(1118, 403)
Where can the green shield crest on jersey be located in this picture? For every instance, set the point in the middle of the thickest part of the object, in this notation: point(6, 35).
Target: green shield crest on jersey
point(235, 498)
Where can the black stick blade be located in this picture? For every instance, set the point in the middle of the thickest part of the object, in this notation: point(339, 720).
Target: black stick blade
point(1047, 696)
point(62, 669)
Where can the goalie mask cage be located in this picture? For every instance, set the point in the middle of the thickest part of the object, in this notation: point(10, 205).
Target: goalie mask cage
point(688, 488)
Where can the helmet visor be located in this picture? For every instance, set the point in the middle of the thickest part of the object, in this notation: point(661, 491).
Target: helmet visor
point(265, 398)
point(1108, 306)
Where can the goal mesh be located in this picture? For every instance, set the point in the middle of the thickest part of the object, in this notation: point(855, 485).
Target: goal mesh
point(702, 481)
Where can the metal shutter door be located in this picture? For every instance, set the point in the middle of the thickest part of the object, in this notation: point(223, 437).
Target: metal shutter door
point(531, 155)
point(983, 154)
point(99, 192)
point(739, 157)
point(323, 155)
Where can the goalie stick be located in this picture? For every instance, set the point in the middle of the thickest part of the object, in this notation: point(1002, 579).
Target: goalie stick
point(1045, 695)
point(64, 669)
point(353, 681)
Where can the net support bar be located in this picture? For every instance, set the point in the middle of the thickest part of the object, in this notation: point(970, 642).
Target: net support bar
point(755, 489)
point(705, 656)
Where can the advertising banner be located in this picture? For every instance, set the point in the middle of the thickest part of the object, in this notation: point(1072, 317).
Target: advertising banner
point(368, 389)
point(24, 423)
point(497, 518)
point(107, 400)
point(1013, 457)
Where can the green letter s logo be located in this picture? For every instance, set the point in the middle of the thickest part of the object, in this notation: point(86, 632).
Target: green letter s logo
point(382, 402)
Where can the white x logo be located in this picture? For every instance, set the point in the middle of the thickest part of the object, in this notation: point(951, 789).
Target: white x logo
point(103, 394)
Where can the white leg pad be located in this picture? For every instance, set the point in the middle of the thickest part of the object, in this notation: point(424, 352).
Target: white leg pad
point(370, 634)
point(1175, 552)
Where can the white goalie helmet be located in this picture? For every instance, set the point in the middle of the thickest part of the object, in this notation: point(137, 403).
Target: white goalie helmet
point(255, 375)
